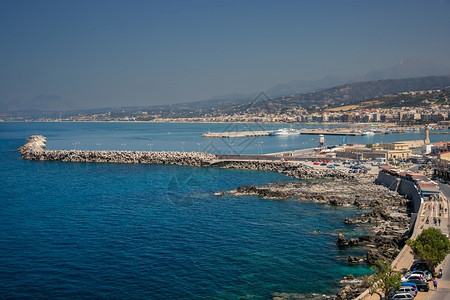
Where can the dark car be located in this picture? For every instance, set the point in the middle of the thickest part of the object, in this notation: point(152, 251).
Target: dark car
point(421, 285)
point(419, 265)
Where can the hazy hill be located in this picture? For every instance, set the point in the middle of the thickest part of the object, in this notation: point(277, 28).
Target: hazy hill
point(41, 103)
point(409, 68)
point(359, 91)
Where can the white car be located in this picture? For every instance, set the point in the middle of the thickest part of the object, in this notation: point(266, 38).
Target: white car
point(425, 274)
point(407, 289)
point(405, 296)
point(414, 276)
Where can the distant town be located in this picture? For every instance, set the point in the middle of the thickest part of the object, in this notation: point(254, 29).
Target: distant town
point(406, 108)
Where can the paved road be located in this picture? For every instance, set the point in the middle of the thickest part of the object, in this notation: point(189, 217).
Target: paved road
point(443, 290)
point(445, 189)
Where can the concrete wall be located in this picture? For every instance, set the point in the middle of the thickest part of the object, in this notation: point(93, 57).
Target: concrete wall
point(410, 189)
point(388, 181)
point(403, 187)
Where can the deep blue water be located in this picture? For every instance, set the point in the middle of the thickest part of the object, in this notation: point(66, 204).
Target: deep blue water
point(92, 230)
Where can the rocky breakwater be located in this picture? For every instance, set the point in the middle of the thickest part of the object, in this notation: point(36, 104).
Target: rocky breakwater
point(384, 212)
point(288, 168)
point(34, 149)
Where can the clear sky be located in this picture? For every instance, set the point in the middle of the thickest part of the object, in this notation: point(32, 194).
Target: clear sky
point(97, 53)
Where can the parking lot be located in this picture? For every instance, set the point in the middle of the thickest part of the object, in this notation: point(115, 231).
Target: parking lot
point(346, 166)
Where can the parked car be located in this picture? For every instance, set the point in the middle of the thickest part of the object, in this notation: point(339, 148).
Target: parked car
point(407, 296)
point(414, 276)
point(411, 284)
point(407, 289)
point(419, 265)
point(421, 285)
point(426, 274)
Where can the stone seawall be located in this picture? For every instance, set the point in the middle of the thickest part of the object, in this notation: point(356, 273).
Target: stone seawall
point(403, 187)
point(34, 149)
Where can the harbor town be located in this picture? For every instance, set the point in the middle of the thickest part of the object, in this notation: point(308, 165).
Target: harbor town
point(229, 150)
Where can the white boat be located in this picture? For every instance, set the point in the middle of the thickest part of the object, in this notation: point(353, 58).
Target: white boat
point(284, 131)
point(365, 133)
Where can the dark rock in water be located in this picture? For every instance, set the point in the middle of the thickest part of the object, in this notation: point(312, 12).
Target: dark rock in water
point(334, 202)
point(355, 260)
point(342, 240)
point(352, 242)
point(352, 259)
point(295, 296)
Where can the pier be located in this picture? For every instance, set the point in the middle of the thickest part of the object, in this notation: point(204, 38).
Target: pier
point(236, 134)
point(338, 131)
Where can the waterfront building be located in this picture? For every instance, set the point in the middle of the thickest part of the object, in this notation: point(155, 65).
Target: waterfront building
point(373, 153)
point(442, 165)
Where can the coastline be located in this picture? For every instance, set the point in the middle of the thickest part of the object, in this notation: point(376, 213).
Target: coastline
point(383, 230)
point(385, 213)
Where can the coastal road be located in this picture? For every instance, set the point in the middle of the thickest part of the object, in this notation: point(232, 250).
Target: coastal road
point(443, 290)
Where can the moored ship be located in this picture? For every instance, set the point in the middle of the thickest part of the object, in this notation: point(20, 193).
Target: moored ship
point(284, 131)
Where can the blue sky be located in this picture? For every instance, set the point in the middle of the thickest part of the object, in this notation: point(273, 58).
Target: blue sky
point(97, 53)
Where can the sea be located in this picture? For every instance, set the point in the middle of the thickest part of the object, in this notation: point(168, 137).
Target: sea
point(134, 231)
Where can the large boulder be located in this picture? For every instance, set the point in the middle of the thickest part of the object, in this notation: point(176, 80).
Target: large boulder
point(342, 241)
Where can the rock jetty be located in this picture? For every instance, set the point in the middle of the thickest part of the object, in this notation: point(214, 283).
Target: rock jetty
point(34, 149)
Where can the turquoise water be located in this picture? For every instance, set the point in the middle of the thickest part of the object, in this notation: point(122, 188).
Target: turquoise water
point(86, 230)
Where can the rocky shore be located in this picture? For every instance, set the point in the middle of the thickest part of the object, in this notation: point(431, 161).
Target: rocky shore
point(290, 169)
point(386, 212)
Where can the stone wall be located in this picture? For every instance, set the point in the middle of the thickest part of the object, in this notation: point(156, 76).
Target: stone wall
point(403, 187)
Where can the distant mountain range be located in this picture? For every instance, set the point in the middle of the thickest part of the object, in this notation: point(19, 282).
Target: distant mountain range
point(360, 91)
point(420, 74)
point(41, 103)
point(409, 68)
